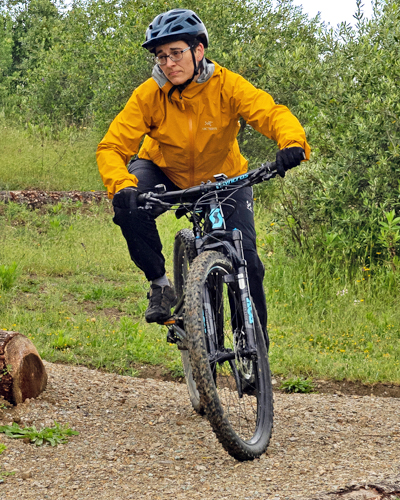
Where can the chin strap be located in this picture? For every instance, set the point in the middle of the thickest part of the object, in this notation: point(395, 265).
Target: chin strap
point(181, 88)
point(195, 65)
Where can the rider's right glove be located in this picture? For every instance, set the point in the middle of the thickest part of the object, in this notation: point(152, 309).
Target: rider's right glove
point(288, 158)
point(126, 198)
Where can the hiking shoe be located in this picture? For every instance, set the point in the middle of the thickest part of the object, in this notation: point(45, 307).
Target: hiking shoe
point(161, 300)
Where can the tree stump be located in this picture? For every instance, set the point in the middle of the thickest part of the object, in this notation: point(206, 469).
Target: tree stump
point(22, 373)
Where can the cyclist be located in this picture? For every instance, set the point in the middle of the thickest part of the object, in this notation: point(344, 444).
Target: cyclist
point(188, 113)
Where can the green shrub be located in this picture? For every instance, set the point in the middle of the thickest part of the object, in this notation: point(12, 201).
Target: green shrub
point(297, 385)
point(8, 275)
point(48, 435)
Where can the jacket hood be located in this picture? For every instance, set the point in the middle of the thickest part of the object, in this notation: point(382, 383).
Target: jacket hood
point(164, 84)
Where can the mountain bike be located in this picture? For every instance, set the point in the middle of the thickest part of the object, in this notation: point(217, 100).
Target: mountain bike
point(214, 323)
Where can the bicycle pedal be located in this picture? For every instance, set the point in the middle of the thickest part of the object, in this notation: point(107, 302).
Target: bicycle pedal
point(173, 339)
point(170, 321)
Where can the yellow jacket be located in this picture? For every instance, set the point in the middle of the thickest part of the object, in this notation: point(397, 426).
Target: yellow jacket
point(193, 137)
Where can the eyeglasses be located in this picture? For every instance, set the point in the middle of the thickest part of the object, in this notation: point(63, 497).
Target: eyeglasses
point(175, 56)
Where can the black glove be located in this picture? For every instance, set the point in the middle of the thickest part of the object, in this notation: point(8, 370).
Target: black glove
point(288, 158)
point(126, 198)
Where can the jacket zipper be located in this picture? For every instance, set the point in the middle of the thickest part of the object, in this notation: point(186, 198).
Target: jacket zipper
point(191, 146)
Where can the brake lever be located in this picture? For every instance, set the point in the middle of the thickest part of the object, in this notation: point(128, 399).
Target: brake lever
point(150, 202)
point(269, 171)
point(269, 175)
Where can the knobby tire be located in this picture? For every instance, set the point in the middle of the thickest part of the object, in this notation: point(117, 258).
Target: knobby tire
point(236, 394)
point(184, 253)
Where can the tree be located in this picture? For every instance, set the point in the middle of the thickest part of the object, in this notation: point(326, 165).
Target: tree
point(6, 47)
point(33, 32)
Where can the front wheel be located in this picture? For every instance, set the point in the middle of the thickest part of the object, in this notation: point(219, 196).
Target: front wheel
point(184, 253)
point(235, 387)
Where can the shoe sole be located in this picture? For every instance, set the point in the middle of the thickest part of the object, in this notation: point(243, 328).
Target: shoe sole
point(161, 319)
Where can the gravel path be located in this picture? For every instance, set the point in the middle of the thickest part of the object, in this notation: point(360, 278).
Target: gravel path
point(140, 439)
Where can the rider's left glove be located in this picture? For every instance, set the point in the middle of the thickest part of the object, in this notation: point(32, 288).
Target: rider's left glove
point(126, 198)
point(288, 158)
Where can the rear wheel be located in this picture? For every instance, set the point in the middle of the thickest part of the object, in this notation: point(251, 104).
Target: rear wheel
point(184, 253)
point(234, 386)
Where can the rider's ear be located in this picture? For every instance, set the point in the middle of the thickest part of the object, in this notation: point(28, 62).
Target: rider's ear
point(199, 52)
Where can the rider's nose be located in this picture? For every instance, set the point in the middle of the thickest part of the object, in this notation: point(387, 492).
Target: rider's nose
point(169, 62)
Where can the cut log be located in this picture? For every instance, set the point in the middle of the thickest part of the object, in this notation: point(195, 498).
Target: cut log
point(22, 373)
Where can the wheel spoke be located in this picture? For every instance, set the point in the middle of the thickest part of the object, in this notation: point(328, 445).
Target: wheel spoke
point(222, 315)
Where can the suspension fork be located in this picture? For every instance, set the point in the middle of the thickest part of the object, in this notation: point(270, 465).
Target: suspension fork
point(244, 290)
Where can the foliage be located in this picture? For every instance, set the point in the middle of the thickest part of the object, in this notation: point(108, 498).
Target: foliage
point(48, 435)
point(390, 237)
point(297, 384)
point(342, 83)
point(76, 79)
point(5, 371)
point(81, 301)
point(8, 275)
point(330, 229)
point(35, 159)
point(3, 447)
point(335, 205)
point(6, 47)
point(33, 31)
point(4, 474)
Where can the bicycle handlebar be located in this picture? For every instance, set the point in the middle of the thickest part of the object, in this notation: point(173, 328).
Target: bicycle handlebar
point(264, 173)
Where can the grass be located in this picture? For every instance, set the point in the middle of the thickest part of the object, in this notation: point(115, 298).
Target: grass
point(81, 300)
point(67, 282)
point(8, 275)
point(36, 161)
point(79, 297)
point(327, 324)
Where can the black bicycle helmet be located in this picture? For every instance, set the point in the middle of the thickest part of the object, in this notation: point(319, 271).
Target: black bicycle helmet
point(176, 24)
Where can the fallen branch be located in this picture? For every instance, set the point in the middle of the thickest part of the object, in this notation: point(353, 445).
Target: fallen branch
point(35, 199)
point(372, 490)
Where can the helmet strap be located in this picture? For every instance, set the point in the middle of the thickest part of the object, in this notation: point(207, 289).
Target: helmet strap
point(196, 66)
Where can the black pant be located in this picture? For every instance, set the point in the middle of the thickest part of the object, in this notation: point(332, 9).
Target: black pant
point(144, 244)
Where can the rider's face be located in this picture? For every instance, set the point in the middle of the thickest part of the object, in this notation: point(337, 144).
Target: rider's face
point(179, 72)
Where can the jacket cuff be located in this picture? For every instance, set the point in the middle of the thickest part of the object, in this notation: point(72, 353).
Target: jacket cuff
point(304, 145)
point(133, 182)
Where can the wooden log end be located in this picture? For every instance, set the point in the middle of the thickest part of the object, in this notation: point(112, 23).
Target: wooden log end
point(22, 373)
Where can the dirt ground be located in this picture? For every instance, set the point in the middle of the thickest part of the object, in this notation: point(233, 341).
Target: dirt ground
point(140, 439)
point(341, 388)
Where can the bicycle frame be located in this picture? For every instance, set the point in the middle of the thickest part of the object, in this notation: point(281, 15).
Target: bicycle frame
point(215, 237)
